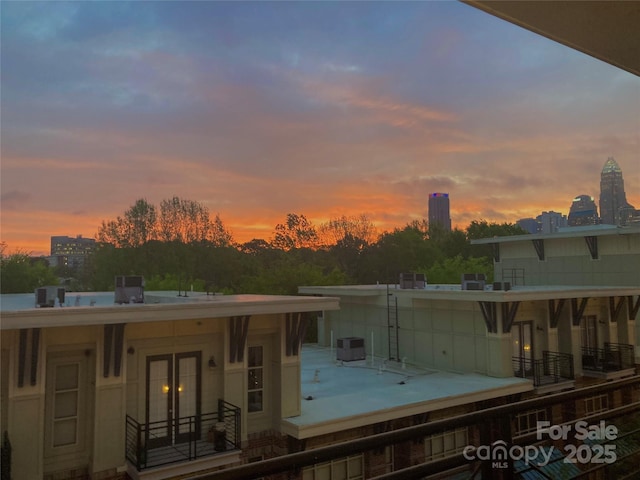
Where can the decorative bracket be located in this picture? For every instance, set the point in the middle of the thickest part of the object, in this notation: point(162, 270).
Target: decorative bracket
point(633, 307)
point(495, 248)
point(554, 312)
point(22, 355)
point(578, 310)
point(615, 308)
point(238, 329)
point(592, 243)
point(539, 246)
point(296, 328)
point(113, 343)
point(489, 313)
point(509, 315)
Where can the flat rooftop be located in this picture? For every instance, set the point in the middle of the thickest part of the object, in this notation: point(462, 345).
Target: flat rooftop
point(98, 308)
point(340, 395)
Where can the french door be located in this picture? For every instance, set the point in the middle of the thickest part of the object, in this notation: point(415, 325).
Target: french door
point(522, 340)
point(589, 332)
point(173, 398)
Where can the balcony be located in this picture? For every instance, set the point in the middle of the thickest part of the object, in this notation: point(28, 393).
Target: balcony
point(615, 360)
point(194, 438)
point(551, 373)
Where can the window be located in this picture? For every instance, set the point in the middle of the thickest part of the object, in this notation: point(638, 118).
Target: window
point(596, 404)
point(348, 468)
point(65, 405)
point(255, 384)
point(446, 443)
point(527, 422)
point(66, 430)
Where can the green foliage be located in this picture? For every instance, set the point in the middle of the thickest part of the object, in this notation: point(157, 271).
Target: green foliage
point(449, 270)
point(20, 273)
point(180, 247)
point(174, 282)
point(288, 276)
point(484, 229)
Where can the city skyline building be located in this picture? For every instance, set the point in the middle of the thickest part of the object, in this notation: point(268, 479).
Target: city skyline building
point(583, 211)
point(614, 208)
point(549, 222)
point(531, 225)
point(439, 212)
point(70, 251)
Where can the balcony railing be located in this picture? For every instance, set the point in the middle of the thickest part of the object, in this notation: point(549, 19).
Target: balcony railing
point(612, 358)
point(554, 367)
point(187, 438)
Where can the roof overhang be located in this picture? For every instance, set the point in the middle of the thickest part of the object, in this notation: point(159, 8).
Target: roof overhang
point(568, 232)
point(606, 30)
point(223, 307)
point(454, 293)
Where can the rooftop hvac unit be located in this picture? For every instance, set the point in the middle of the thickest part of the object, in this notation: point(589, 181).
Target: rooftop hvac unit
point(473, 281)
point(129, 289)
point(502, 286)
point(351, 348)
point(46, 296)
point(413, 280)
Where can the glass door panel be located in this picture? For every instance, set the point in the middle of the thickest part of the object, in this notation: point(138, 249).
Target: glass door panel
point(159, 400)
point(187, 396)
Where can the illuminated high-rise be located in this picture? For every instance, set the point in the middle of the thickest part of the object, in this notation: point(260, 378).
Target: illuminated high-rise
point(583, 211)
point(439, 210)
point(614, 208)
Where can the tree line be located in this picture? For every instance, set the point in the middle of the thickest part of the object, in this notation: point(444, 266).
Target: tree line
point(181, 246)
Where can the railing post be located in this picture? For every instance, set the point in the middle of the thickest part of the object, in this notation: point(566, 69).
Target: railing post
point(139, 447)
point(220, 410)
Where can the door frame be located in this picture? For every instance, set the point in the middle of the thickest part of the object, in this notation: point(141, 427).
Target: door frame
point(172, 431)
point(527, 324)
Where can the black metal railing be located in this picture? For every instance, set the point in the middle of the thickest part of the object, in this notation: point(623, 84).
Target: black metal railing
point(553, 367)
point(612, 358)
point(178, 440)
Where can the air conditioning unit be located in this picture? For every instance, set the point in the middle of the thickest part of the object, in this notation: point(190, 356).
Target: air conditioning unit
point(502, 286)
point(350, 349)
point(46, 296)
point(129, 289)
point(413, 281)
point(473, 281)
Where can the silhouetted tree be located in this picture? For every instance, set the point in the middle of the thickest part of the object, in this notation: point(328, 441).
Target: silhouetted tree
point(295, 232)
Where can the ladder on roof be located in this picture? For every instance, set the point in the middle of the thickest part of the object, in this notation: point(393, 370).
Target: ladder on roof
point(392, 323)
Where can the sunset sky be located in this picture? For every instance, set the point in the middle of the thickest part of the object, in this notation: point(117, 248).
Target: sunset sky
point(324, 109)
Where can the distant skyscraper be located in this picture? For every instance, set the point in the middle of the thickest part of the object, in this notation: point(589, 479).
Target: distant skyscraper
point(528, 224)
point(439, 210)
point(614, 209)
point(549, 222)
point(583, 211)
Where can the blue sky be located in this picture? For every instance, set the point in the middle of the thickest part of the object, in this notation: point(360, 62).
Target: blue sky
point(325, 109)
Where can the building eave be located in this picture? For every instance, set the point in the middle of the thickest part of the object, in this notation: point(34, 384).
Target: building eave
point(225, 306)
